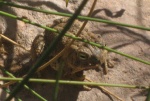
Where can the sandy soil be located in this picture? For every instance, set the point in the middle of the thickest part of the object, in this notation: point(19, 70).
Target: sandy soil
point(131, 41)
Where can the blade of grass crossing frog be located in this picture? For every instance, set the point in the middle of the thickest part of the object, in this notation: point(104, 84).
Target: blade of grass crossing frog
point(57, 80)
point(67, 27)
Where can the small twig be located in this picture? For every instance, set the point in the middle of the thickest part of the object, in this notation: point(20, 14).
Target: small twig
point(104, 89)
point(13, 42)
point(7, 84)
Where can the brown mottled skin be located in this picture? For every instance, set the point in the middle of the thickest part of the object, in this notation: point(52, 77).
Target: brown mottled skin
point(80, 56)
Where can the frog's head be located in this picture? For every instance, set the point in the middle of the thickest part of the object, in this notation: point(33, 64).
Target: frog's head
point(85, 57)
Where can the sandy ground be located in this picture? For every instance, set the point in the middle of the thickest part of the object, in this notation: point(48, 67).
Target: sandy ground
point(131, 41)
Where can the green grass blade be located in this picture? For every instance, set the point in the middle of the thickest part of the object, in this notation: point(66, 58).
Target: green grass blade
point(67, 82)
point(115, 51)
point(57, 81)
point(69, 15)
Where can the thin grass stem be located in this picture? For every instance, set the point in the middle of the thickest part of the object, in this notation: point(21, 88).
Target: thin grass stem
point(69, 15)
point(76, 83)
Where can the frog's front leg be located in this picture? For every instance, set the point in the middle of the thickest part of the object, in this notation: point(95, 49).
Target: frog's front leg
point(106, 62)
point(37, 47)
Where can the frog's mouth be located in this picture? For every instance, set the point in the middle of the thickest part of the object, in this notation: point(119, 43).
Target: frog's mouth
point(81, 62)
point(78, 69)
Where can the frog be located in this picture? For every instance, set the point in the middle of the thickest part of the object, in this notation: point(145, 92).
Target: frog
point(79, 57)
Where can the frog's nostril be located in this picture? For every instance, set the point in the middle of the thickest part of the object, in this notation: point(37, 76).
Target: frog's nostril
point(94, 59)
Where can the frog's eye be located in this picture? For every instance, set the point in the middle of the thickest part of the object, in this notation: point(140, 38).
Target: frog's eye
point(83, 56)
